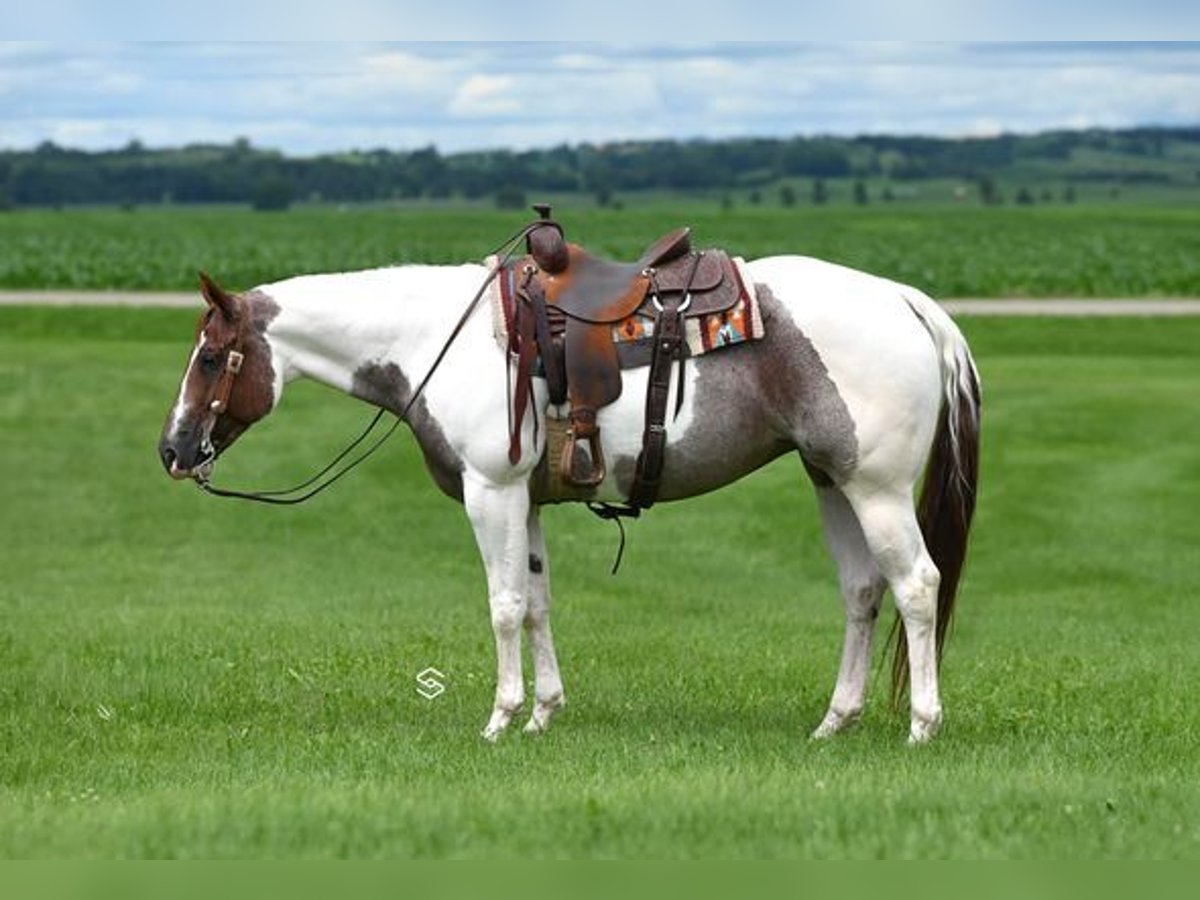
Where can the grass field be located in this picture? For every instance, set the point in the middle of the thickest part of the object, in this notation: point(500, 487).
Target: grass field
point(1095, 249)
point(185, 677)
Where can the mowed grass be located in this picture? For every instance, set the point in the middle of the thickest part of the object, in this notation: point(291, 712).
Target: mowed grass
point(1097, 250)
point(189, 677)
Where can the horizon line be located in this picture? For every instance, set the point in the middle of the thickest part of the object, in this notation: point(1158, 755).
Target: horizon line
point(823, 135)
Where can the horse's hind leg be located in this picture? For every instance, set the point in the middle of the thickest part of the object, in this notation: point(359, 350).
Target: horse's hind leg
point(889, 524)
point(862, 587)
point(547, 683)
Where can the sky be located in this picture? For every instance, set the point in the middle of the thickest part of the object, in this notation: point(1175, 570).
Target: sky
point(306, 98)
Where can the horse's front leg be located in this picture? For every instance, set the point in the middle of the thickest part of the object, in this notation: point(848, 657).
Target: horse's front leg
point(547, 683)
point(499, 515)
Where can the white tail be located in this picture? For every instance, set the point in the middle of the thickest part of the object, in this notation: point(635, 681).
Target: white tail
point(960, 378)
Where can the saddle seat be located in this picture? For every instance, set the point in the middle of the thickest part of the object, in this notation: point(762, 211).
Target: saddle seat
point(601, 291)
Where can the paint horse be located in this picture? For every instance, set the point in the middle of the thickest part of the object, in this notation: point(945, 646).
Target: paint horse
point(869, 381)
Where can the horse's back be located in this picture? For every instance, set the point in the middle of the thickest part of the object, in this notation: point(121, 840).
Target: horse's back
point(851, 315)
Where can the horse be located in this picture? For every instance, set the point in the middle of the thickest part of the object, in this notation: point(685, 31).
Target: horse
point(868, 380)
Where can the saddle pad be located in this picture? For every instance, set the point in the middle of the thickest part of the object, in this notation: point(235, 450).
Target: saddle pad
point(742, 322)
point(634, 336)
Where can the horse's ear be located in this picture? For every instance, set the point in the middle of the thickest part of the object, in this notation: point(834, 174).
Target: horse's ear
point(218, 298)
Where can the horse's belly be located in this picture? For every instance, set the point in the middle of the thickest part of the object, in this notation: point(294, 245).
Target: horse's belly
point(723, 430)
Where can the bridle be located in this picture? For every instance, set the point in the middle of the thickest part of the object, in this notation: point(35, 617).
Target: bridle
point(233, 365)
point(334, 470)
point(219, 402)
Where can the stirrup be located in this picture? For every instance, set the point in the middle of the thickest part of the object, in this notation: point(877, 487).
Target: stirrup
point(580, 467)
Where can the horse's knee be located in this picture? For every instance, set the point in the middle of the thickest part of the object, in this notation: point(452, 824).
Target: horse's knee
point(508, 611)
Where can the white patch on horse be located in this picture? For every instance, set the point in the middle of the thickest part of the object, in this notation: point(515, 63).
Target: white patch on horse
point(180, 410)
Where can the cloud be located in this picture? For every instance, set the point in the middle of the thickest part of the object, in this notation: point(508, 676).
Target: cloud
point(485, 96)
point(310, 98)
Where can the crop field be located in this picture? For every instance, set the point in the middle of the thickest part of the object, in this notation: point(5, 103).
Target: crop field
point(1089, 249)
point(186, 677)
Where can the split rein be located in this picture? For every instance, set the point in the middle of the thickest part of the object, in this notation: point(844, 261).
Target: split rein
point(308, 489)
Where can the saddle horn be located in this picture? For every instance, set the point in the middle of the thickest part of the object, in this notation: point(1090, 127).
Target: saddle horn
point(546, 244)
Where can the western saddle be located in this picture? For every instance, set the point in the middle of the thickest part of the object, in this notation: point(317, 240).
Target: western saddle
point(568, 305)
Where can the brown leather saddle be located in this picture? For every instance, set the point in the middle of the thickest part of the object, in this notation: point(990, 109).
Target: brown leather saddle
point(569, 303)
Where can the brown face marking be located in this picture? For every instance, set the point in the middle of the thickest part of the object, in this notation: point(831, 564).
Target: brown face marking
point(238, 321)
point(385, 386)
point(253, 392)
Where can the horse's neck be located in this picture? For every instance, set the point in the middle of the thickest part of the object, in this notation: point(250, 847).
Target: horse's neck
point(330, 326)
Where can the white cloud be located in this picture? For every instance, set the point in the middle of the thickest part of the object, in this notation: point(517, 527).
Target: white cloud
point(315, 97)
point(486, 96)
point(408, 69)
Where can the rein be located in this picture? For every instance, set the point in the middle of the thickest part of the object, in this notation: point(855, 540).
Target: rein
point(315, 485)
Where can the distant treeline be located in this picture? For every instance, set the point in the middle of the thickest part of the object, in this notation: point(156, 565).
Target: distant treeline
point(50, 175)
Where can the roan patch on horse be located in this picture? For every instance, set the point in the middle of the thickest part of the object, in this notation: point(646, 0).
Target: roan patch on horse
point(869, 381)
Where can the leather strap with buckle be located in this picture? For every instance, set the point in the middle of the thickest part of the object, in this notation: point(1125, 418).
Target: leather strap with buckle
point(233, 365)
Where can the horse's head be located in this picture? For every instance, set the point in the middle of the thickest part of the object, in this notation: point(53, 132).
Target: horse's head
point(228, 385)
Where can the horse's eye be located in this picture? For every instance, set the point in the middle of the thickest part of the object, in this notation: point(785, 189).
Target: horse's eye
point(209, 362)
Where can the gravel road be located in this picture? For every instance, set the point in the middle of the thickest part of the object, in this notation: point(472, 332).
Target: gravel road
point(963, 307)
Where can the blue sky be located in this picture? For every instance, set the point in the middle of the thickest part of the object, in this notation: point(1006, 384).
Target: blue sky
point(310, 98)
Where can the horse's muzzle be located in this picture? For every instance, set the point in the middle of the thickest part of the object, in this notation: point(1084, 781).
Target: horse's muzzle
point(180, 471)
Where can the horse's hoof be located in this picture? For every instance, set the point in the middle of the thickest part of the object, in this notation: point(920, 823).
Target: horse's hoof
point(496, 725)
point(834, 723)
point(922, 730)
point(539, 720)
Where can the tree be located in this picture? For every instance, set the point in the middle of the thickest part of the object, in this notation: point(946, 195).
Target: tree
point(787, 195)
point(887, 194)
point(425, 172)
point(820, 157)
point(510, 196)
point(820, 192)
point(1068, 194)
point(1024, 197)
point(860, 193)
point(273, 194)
point(988, 194)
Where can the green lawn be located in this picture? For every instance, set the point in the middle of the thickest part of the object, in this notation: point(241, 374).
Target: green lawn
point(189, 677)
point(1099, 250)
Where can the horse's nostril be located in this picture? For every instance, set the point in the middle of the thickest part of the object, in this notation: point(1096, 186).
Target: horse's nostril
point(168, 457)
